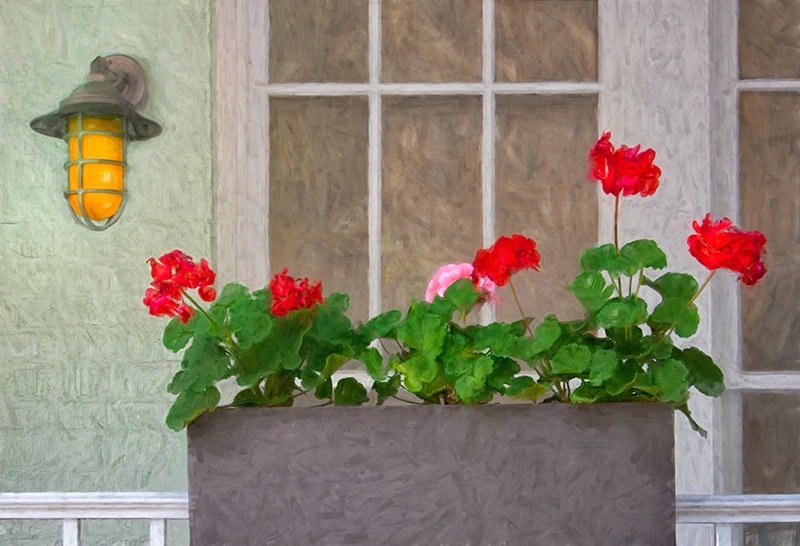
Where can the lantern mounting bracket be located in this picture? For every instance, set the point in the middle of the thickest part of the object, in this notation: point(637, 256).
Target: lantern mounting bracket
point(124, 73)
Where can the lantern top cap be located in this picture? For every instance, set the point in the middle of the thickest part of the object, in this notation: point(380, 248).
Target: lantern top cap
point(116, 87)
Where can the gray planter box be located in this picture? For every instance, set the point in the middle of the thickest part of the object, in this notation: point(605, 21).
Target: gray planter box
point(521, 474)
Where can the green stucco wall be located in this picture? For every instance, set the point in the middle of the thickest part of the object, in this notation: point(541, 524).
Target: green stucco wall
point(82, 371)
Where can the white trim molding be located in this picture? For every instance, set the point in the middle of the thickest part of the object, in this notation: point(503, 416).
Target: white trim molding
point(241, 140)
point(104, 505)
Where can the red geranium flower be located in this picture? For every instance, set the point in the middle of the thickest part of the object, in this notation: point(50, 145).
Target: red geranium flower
point(720, 245)
point(290, 295)
point(172, 274)
point(624, 170)
point(507, 256)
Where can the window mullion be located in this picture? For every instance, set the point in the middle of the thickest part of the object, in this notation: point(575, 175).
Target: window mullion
point(374, 159)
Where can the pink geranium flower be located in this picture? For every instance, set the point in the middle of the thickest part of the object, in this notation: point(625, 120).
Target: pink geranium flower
point(450, 273)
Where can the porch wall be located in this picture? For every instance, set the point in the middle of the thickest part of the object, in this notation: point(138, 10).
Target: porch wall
point(82, 373)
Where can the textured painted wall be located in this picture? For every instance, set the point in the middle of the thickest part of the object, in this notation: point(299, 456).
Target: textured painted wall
point(82, 373)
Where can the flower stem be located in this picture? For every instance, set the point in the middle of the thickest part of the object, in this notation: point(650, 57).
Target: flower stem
point(229, 337)
point(639, 283)
point(616, 225)
point(301, 393)
point(199, 308)
point(616, 239)
point(519, 306)
point(691, 301)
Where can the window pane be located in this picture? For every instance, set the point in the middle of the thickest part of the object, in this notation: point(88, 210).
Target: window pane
point(318, 41)
point(772, 534)
point(431, 190)
point(770, 155)
point(769, 34)
point(543, 192)
point(431, 40)
point(546, 40)
point(771, 439)
point(318, 193)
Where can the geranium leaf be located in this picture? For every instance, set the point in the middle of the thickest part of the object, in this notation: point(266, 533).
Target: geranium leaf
point(249, 322)
point(623, 378)
point(386, 389)
point(642, 253)
point(201, 376)
point(684, 408)
point(245, 399)
point(525, 388)
point(422, 331)
point(373, 360)
point(331, 326)
point(704, 374)
point(629, 342)
point(571, 359)
point(500, 338)
point(545, 335)
point(591, 289)
point(456, 366)
point(602, 367)
point(190, 405)
point(381, 325)
point(204, 326)
point(621, 313)
point(503, 374)
point(674, 285)
point(416, 371)
point(482, 367)
point(337, 302)
point(587, 393)
point(468, 388)
point(279, 350)
point(670, 378)
point(230, 293)
point(324, 390)
point(349, 392)
point(309, 379)
point(462, 294)
point(333, 363)
point(204, 363)
point(439, 307)
point(663, 348)
point(684, 317)
point(602, 258)
point(177, 334)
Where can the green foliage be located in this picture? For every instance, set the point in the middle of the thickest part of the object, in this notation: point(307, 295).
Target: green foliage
point(621, 313)
point(189, 405)
point(640, 254)
point(445, 361)
point(349, 392)
point(274, 359)
point(621, 350)
point(591, 289)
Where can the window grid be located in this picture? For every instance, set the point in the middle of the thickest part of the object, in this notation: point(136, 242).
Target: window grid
point(488, 89)
point(729, 170)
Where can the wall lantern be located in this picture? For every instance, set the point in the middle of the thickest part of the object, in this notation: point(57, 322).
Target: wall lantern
point(96, 121)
